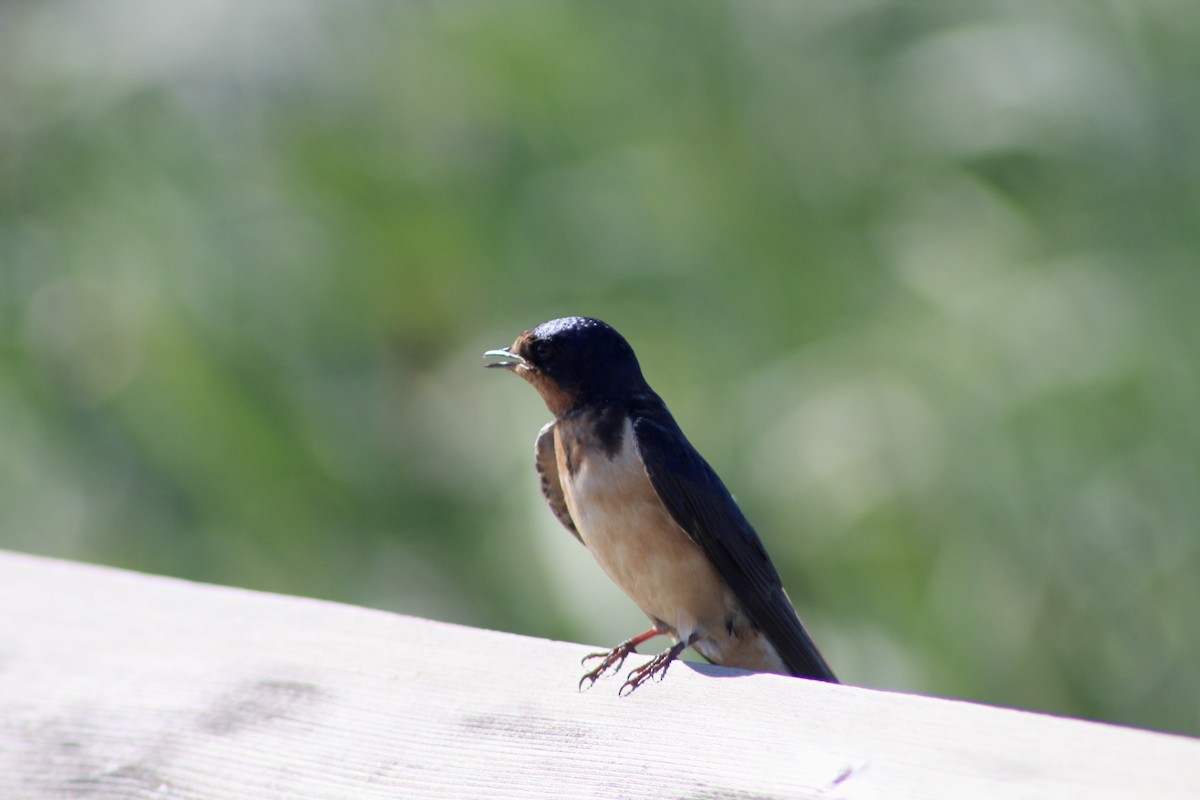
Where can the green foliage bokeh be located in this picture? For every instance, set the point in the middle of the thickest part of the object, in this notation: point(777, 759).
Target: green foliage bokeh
point(920, 280)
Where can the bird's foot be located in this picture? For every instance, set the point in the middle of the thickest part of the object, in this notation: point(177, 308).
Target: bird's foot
point(655, 666)
point(613, 659)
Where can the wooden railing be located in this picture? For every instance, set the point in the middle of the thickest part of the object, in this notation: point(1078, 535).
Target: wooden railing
point(120, 685)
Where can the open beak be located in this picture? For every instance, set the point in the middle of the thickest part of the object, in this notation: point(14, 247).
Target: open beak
point(512, 360)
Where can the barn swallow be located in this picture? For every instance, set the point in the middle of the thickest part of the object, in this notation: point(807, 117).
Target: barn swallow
point(619, 474)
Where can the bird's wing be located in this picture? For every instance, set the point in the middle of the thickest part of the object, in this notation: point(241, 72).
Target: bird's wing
point(702, 506)
point(546, 462)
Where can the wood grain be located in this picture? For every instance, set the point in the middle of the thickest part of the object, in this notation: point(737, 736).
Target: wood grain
point(120, 685)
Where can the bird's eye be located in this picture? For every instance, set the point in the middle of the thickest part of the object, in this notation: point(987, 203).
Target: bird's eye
point(543, 350)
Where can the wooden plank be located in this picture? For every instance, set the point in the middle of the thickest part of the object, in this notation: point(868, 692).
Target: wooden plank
point(114, 684)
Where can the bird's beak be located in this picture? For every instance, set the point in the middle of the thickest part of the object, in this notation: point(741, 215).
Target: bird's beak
point(512, 360)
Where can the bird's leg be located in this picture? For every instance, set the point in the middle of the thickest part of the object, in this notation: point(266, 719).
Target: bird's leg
point(655, 666)
point(614, 658)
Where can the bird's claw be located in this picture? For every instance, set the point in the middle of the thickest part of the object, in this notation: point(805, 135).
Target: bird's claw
point(655, 666)
point(639, 675)
point(613, 659)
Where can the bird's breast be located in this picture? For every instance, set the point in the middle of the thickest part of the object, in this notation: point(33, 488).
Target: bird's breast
point(632, 535)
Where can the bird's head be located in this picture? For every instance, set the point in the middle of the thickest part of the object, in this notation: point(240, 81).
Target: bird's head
point(572, 361)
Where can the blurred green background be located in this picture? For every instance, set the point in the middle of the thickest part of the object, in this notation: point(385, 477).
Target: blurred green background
point(919, 279)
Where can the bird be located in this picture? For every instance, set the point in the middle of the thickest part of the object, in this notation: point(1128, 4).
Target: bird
point(619, 474)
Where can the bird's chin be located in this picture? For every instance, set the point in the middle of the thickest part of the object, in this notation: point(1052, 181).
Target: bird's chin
point(557, 399)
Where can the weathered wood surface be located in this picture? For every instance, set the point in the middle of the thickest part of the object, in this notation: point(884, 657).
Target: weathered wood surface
point(114, 684)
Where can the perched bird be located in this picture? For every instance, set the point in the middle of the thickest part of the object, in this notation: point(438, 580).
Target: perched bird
point(620, 475)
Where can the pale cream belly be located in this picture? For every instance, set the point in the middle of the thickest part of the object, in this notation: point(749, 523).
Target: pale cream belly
point(631, 534)
point(635, 541)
